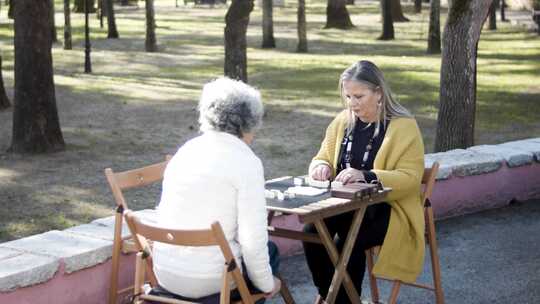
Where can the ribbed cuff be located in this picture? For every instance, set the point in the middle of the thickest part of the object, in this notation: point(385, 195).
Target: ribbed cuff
point(370, 176)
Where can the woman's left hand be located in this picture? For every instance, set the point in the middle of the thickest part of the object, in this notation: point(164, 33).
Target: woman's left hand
point(350, 175)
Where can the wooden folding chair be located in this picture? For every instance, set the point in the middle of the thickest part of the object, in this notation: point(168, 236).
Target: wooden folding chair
point(118, 182)
point(428, 180)
point(144, 232)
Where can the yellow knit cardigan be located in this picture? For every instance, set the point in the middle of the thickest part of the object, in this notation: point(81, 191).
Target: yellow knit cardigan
point(399, 164)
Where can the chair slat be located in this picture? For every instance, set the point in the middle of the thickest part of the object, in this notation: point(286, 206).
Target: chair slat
point(172, 236)
point(141, 176)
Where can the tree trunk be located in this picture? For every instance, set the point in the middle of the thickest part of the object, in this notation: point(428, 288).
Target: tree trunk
point(67, 26)
point(418, 6)
point(455, 122)
point(111, 21)
point(503, 15)
point(150, 42)
point(236, 23)
point(102, 8)
point(4, 100)
point(268, 24)
point(434, 36)
point(36, 127)
point(302, 27)
point(337, 15)
point(493, 16)
point(78, 6)
point(387, 24)
point(10, 10)
point(397, 12)
point(52, 22)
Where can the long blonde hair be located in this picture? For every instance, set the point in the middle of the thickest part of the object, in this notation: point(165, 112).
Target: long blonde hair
point(368, 73)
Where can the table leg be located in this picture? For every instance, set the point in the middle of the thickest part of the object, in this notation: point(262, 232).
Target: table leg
point(340, 262)
point(346, 254)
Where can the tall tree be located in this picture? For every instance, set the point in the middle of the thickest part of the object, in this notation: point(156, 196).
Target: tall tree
point(10, 10)
point(418, 6)
point(52, 22)
point(387, 24)
point(337, 15)
point(397, 12)
point(67, 26)
point(4, 100)
point(36, 127)
point(78, 6)
point(236, 23)
point(457, 108)
point(493, 16)
point(302, 46)
point(434, 36)
point(268, 24)
point(503, 7)
point(112, 32)
point(150, 42)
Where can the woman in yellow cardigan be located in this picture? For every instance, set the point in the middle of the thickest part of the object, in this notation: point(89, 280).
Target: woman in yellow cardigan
point(374, 138)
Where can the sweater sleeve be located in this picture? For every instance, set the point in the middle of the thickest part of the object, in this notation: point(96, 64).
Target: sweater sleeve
point(404, 175)
point(252, 227)
point(328, 145)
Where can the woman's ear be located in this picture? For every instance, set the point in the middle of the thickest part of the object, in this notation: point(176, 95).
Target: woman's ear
point(379, 95)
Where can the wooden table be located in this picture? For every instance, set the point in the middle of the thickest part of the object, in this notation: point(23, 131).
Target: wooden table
point(314, 210)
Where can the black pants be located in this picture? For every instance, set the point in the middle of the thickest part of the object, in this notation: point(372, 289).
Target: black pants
point(372, 233)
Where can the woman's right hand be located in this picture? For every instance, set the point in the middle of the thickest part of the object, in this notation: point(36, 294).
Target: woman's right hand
point(321, 172)
point(277, 288)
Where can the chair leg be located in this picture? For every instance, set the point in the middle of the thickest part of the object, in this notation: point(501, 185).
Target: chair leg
point(139, 276)
point(395, 292)
point(435, 264)
point(285, 293)
point(117, 244)
point(372, 278)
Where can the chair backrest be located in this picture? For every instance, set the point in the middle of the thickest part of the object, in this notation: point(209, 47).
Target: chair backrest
point(144, 232)
point(120, 181)
point(428, 180)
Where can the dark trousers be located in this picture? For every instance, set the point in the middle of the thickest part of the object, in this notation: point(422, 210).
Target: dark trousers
point(372, 233)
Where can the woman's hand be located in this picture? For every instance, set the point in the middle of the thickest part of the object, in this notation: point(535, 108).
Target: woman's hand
point(321, 172)
point(277, 288)
point(350, 175)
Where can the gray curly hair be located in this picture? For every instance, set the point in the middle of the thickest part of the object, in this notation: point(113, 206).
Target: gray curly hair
point(230, 106)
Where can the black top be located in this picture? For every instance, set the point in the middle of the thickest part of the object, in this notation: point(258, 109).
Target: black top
point(361, 137)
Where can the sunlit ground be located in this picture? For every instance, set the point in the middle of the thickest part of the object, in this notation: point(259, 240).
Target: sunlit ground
point(136, 107)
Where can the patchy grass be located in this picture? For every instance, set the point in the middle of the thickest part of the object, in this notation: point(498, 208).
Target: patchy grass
point(136, 107)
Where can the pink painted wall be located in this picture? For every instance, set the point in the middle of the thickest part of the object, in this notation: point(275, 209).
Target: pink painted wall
point(87, 286)
point(461, 195)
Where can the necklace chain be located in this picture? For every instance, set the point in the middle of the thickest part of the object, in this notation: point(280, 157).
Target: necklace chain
point(369, 146)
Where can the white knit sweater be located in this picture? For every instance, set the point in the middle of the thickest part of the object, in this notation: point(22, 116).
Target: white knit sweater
point(214, 177)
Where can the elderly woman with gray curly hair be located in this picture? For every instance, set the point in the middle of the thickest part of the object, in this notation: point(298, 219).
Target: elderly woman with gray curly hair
point(217, 177)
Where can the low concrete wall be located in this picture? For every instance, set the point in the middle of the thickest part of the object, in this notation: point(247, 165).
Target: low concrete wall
point(73, 266)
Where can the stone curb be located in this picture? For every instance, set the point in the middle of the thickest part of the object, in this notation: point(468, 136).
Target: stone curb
point(20, 269)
